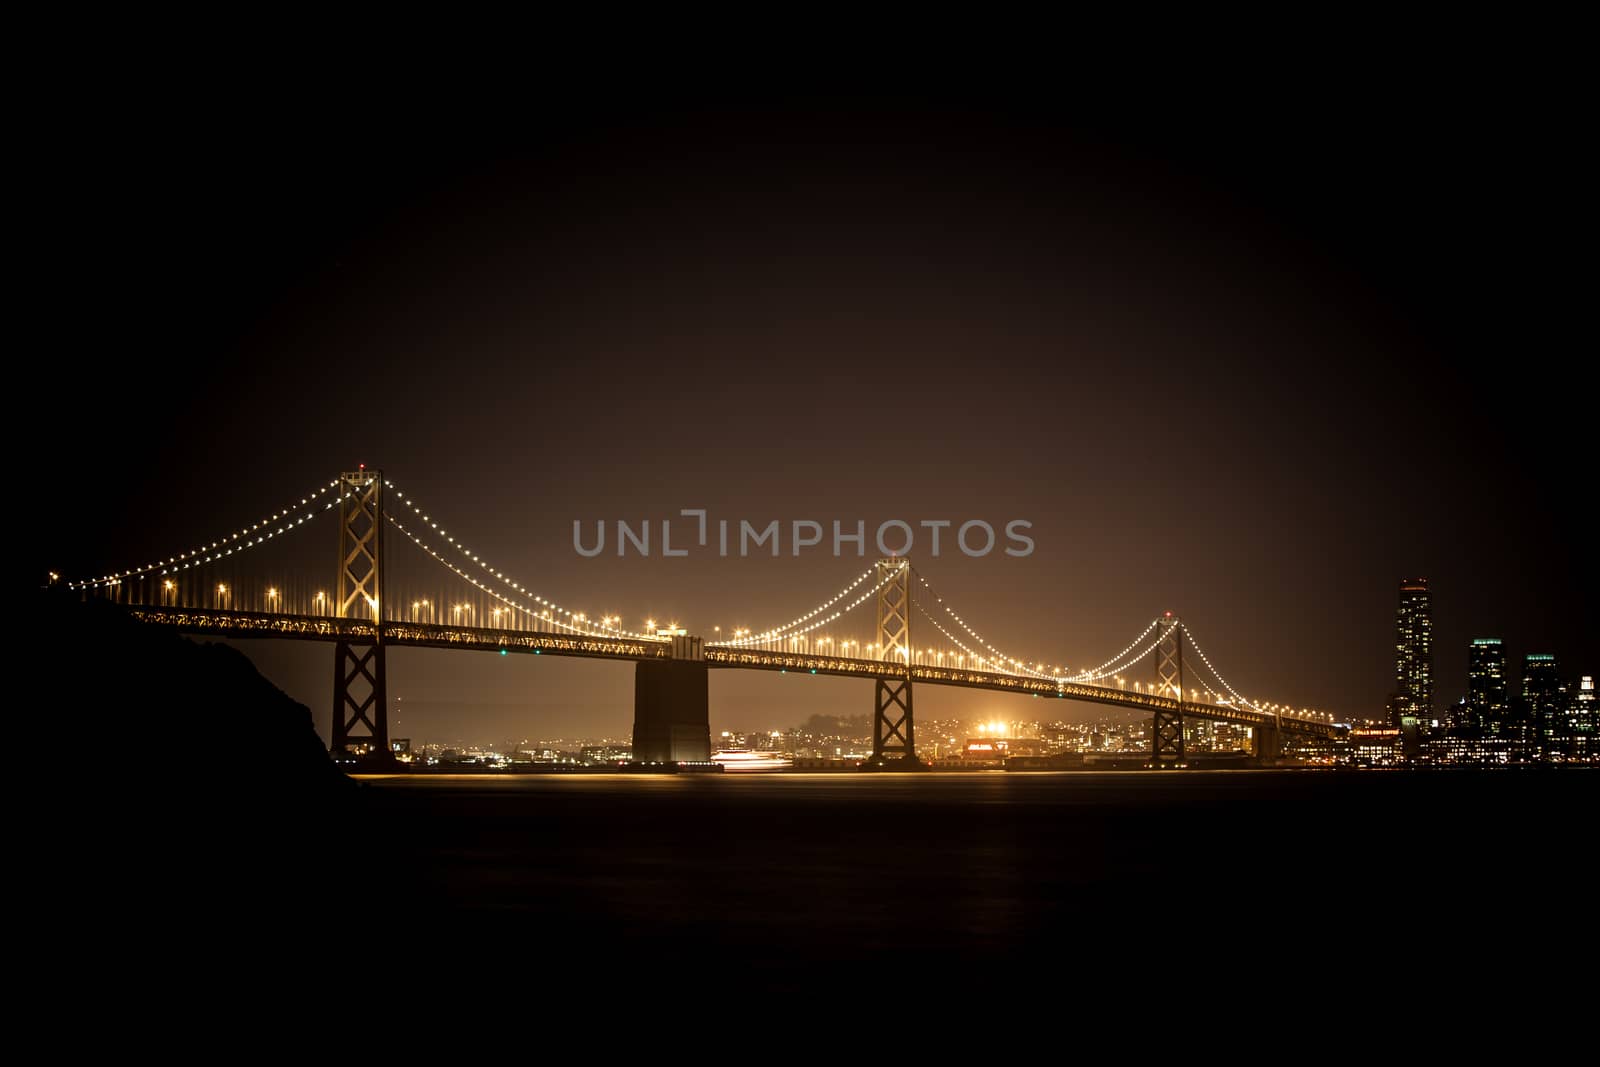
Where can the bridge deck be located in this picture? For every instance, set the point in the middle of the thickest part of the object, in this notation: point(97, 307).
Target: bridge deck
point(756, 659)
point(246, 624)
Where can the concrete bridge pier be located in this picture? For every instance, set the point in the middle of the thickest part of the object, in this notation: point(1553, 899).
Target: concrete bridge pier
point(671, 706)
point(1268, 742)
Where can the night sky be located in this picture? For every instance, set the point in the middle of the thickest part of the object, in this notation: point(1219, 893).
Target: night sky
point(1251, 356)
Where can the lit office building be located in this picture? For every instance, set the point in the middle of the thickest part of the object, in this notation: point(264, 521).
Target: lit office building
point(1543, 700)
point(1373, 748)
point(1487, 705)
point(1470, 747)
point(1582, 741)
point(1413, 668)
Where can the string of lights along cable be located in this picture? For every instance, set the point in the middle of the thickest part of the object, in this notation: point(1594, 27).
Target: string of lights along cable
point(436, 588)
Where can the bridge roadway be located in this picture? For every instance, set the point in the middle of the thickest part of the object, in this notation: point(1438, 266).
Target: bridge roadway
point(756, 659)
point(257, 624)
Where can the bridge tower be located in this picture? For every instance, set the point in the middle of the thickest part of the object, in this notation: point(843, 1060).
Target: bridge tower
point(360, 697)
point(894, 730)
point(1166, 733)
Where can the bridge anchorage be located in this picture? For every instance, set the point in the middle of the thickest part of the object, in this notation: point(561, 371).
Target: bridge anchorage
point(240, 586)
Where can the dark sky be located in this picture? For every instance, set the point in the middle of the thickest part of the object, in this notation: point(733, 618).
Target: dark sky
point(1247, 352)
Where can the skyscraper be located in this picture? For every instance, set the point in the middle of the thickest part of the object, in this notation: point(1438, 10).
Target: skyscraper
point(1413, 662)
point(1543, 701)
point(1486, 685)
point(1583, 722)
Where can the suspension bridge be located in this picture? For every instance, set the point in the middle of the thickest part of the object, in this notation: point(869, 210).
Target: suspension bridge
point(245, 584)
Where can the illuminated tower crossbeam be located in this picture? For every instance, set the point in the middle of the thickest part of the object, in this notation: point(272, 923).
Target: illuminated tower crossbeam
point(360, 698)
point(894, 733)
point(1166, 731)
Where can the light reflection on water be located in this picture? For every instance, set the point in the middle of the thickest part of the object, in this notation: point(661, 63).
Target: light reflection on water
point(791, 869)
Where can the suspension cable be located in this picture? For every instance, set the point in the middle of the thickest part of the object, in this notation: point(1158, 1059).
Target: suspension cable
point(240, 540)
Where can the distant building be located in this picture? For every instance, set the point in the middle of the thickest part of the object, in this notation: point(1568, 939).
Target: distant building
point(1306, 748)
point(1470, 747)
point(1487, 703)
point(1542, 704)
point(1413, 662)
point(985, 751)
point(1205, 736)
point(1373, 748)
point(1580, 728)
